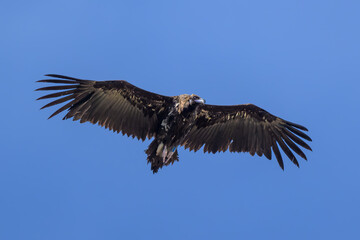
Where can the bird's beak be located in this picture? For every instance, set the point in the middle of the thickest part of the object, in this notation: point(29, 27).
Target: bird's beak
point(202, 101)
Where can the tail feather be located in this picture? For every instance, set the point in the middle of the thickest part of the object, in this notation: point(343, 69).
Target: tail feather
point(157, 161)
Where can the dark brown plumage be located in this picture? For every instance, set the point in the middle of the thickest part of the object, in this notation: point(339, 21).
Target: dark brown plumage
point(183, 120)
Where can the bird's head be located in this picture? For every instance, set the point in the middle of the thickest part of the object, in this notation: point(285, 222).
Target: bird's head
point(195, 99)
point(185, 100)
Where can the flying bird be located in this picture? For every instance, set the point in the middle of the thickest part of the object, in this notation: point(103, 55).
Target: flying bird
point(183, 120)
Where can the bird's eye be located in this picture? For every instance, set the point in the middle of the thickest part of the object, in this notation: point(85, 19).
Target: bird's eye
point(195, 98)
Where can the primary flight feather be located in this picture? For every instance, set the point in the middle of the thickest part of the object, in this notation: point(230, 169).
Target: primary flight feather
point(183, 120)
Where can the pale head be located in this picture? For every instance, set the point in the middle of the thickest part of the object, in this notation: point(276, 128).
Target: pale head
point(185, 100)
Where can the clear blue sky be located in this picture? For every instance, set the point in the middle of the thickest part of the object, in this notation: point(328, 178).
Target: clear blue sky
point(299, 60)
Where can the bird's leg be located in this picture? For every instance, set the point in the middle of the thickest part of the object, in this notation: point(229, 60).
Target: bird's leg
point(164, 154)
point(159, 149)
point(168, 156)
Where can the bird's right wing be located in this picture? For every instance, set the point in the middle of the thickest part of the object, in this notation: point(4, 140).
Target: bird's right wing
point(116, 105)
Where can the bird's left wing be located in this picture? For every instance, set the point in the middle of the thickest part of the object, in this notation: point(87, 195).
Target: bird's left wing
point(245, 128)
point(117, 105)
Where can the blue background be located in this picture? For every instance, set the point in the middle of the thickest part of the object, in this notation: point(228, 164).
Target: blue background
point(65, 180)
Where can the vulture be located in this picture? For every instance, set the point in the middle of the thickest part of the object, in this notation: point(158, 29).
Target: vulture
point(183, 120)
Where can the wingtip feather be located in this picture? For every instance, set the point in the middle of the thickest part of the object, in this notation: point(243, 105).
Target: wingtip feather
point(297, 126)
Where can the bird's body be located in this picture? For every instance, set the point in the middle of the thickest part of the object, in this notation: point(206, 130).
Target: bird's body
point(183, 120)
point(173, 129)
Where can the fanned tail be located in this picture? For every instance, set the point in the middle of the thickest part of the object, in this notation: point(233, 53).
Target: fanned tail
point(156, 158)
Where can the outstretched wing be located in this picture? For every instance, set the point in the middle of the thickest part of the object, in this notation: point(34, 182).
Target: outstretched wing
point(245, 128)
point(116, 105)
